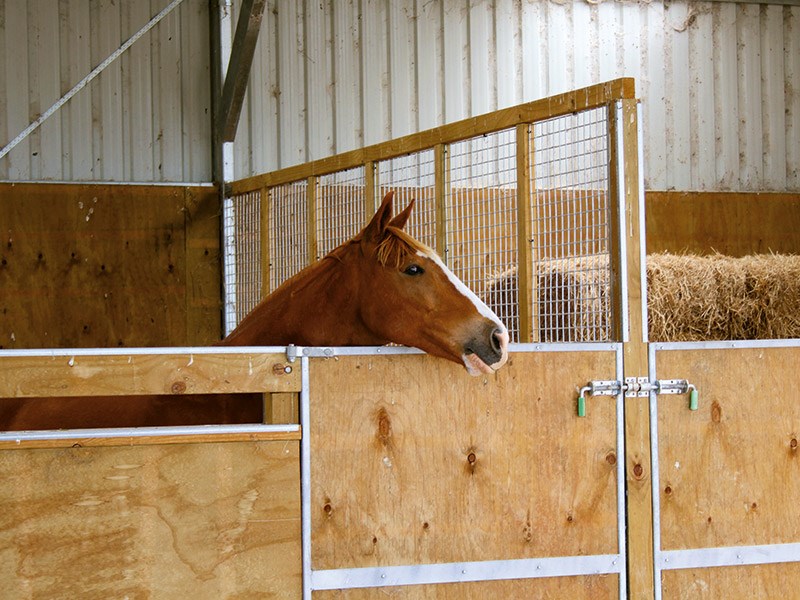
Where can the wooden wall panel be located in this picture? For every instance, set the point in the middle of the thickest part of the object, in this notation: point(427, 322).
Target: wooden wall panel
point(762, 582)
point(574, 588)
point(184, 521)
point(730, 472)
point(100, 265)
point(729, 223)
point(415, 462)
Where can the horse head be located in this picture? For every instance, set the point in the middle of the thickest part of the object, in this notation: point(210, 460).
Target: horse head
point(415, 300)
point(382, 286)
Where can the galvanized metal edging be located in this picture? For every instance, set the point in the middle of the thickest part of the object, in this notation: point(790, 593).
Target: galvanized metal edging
point(726, 344)
point(139, 432)
point(459, 572)
point(729, 556)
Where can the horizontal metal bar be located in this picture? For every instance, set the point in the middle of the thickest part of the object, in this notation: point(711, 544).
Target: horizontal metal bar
point(566, 347)
point(136, 432)
point(59, 352)
point(729, 556)
point(330, 351)
point(490, 570)
point(722, 344)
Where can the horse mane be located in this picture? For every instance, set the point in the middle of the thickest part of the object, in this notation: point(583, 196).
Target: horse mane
point(398, 246)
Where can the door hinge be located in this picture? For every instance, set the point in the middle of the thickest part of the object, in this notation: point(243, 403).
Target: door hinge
point(634, 387)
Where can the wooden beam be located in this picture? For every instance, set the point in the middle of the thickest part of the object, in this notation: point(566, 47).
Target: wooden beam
point(238, 73)
point(635, 359)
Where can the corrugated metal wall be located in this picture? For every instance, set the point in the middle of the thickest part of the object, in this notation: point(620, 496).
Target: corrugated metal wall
point(145, 118)
point(720, 81)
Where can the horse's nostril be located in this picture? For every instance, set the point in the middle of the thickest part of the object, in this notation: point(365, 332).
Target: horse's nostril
point(496, 337)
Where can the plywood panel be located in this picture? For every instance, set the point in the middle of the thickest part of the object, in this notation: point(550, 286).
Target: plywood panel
point(730, 472)
point(415, 462)
point(145, 374)
point(98, 266)
point(730, 223)
point(187, 521)
point(574, 588)
point(759, 582)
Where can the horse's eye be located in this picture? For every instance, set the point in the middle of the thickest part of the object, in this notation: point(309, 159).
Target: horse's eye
point(414, 270)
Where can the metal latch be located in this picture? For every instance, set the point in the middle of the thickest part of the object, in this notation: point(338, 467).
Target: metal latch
point(636, 387)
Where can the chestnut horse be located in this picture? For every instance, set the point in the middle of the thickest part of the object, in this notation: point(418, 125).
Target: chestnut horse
point(380, 287)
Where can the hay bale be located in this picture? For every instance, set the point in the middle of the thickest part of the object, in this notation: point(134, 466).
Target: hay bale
point(717, 297)
point(690, 298)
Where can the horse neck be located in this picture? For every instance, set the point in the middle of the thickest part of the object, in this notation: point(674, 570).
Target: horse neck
point(318, 306)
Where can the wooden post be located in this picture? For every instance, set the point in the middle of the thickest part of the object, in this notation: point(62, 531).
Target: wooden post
point(311, 223)
point(637, 416)
point(524, 250)
point(441, 171)
point(266, 287)
point(370, 190)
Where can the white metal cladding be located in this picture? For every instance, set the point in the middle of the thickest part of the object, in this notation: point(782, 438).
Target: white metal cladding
point(719, 81)
point(145, 118)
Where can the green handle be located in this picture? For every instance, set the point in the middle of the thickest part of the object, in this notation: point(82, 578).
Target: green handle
point(693, 400)
point(581, 406)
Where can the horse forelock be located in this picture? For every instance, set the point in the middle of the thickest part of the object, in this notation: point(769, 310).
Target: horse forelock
point(398, 246)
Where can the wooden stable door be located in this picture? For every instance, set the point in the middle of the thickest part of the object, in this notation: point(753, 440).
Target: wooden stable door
point(427, 483)
point(727, 523)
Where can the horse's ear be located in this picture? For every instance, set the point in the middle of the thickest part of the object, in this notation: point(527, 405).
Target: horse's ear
point(376, 228)
point(402, 217)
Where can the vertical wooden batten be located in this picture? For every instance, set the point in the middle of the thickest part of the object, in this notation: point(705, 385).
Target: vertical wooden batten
point(524, 226)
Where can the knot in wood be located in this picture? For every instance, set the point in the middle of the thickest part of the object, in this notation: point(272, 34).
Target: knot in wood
point(179, 387)
point(384, 427)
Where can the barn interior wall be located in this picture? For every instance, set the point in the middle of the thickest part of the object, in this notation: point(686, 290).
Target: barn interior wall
point(109, 265)
point(145, 118)
point(718, 81)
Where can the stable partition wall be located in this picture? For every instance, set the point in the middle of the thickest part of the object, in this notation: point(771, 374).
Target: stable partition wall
point(201, 511)
point(726, 476)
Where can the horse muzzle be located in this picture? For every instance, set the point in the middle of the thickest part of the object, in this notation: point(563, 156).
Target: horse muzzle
point(488, 351)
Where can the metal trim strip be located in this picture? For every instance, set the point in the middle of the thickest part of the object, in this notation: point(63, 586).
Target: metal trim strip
point(729, 556)
point(727, 344)
point(492, 570)
point(136, 432)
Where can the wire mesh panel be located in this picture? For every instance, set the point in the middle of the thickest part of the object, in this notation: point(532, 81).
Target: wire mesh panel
point(411, 177)
point(340, 208)
point(288, 231)
point(481, 220)
point(242, 225)
point(570, 194)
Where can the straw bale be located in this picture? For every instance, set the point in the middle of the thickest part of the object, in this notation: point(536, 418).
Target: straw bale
point(690, 298)
point(718, 297)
